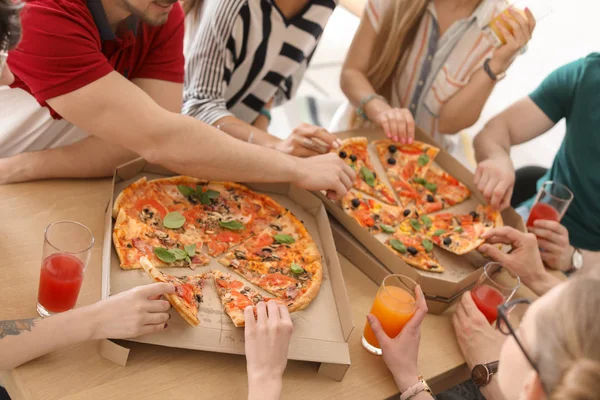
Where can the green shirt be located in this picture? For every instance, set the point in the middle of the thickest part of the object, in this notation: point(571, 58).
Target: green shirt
point(573, 92)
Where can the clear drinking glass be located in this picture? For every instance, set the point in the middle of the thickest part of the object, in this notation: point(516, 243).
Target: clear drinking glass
point(67, 249)
point(394, 306)
point(551, 203)
point(539, 8)
point(495, 286)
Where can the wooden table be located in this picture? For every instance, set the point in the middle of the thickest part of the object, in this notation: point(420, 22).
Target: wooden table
point(154, 372)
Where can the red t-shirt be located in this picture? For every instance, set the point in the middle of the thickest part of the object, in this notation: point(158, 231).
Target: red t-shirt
point(67, 44)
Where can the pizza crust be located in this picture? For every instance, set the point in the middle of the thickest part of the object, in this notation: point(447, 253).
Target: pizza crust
point(303, 301)
point(175, 300)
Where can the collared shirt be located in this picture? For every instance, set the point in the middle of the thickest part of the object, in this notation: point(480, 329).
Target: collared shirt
point(438, 67)
point(68, 44)
point(243, 53)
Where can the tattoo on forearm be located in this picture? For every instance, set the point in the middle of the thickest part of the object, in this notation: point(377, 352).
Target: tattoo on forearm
point(16, 327)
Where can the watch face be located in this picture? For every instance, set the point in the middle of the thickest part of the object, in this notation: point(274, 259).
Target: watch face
point(577, 259)
point(480, 375)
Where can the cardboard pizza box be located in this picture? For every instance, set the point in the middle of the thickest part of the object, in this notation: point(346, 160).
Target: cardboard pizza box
point(370, 255)
point(321, 331)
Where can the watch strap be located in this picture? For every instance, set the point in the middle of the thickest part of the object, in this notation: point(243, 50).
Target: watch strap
point(419, 387)
point(491, 74)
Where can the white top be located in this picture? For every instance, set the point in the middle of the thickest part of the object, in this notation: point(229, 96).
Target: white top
point(437, 67)
point(243, 53)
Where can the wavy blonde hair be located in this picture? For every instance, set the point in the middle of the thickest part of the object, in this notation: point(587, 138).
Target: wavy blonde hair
point(191, 6)
point(567, 347)
point(393, 43)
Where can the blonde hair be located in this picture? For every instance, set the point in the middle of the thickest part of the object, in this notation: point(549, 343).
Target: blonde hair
point(567, 349)
point(393, 43)
point(191, 6)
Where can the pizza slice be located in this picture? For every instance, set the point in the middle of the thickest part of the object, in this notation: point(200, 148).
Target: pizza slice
point(134, 240)
point(463, 234)
point(236, 296)
point(405, 161)
point(354, 151)
point(445, 186)
point(188, 291)
point(373, 214)
point(415, 249)
point(285, 240)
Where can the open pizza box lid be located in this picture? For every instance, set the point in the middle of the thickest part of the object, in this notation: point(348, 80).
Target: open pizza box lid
point(376, 260)
point(321, 331)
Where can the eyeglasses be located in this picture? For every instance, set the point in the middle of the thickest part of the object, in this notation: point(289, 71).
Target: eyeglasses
point(504, 326)
point(4, 52)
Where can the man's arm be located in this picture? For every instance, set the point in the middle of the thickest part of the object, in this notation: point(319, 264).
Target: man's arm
point(127, 116)
point(91, 157)
point(495, 175)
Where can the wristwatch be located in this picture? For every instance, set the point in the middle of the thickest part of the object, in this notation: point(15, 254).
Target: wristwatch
point(491, 74)
point(576, 260)
point(420, 386)
point(482, 373)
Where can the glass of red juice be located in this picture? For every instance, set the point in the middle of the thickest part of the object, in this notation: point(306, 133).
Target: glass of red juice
point(495, 286)
point(67, 249)
point(551, 203)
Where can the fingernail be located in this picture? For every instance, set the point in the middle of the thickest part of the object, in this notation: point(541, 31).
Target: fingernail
point(403, 140)
point(370, 318)
point(166, 326)
point(169, 316)
point(410, 140)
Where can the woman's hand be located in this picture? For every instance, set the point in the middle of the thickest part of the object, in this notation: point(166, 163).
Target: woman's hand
point(307, 141)
point(522, 28)
point(398, 124)
point(138, 311)
point(554, 245)
point(267, 341)
point(400, 354)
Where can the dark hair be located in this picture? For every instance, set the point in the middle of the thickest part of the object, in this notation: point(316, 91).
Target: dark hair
point(10, 23)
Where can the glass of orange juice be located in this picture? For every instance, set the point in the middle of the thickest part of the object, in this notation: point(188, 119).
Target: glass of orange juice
point(539, 8)
point(394, 306)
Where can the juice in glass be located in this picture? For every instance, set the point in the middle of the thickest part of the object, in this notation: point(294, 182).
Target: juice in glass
point(495, 286)
point(542, 211)
point(394, 306)
point(487, 300)
point(67, 249)
point(60, 281)
point(499, 20)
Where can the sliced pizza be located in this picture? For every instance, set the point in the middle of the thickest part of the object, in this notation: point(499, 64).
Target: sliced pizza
point(463, 233)
point(415, 249)
point(188, 291)
point(445, 186)
point(405, 161)
point(373, 214)
point(354, 151)
point(236, 296)
point(133, 240)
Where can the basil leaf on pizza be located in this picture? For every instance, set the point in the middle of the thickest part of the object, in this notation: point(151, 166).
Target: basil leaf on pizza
point(428, 245)
point(426, 221)
point(416, 225)
point(186, 190)
point(296, 269)
point(179, 254)
point(430, 186)
point(423, 160)
point(420, 181)
point(459, 229)
point(164, 255)
point(232, 225)
point(398, 246)
point(368, 176)
point(284, 239)
point(173, 220)
point(439, 232)
point(386, 228)
point(190, 249)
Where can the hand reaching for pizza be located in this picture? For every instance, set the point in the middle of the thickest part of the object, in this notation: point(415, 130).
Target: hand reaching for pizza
point(495, 178)
point(325, 172)
point(267, 341)
point(400, 353)
point(479, 342)
point(133, 313)
point(307, 141)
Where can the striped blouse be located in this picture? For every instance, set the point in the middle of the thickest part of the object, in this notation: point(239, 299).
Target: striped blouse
point(438, 67)
point(243, 53)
